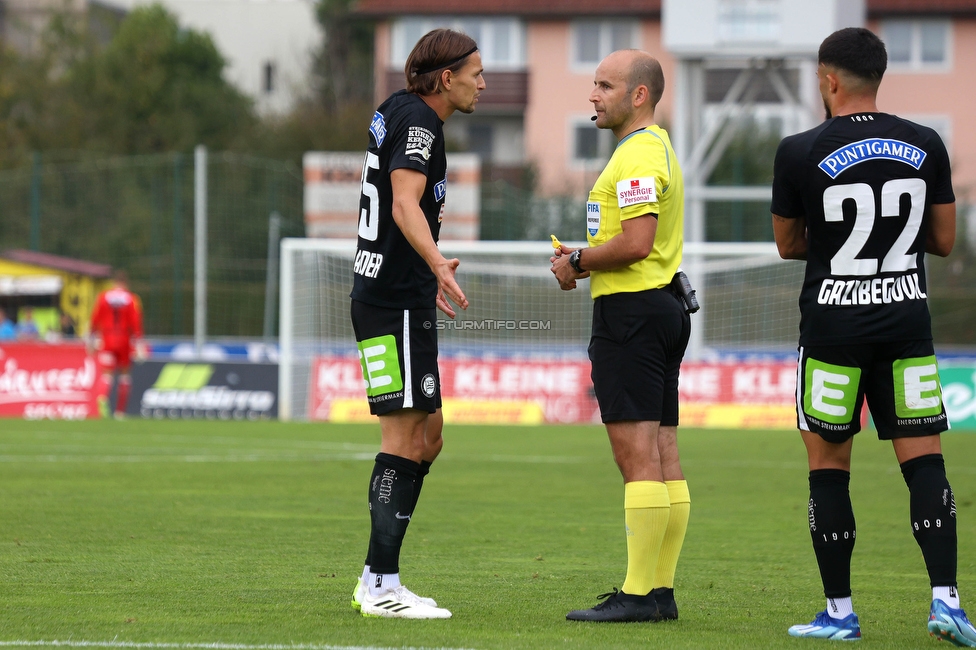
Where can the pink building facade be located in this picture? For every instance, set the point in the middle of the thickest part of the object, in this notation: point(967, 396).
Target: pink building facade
point(934, 81)
point(540, 56)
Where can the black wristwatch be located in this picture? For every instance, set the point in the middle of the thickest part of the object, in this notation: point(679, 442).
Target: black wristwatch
point(574, 260)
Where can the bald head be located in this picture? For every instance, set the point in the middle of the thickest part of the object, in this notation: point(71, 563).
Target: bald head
point(645, 70)
point(638, 68)
point(627, 86)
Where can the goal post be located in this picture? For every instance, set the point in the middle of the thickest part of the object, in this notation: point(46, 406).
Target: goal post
point(748, 297)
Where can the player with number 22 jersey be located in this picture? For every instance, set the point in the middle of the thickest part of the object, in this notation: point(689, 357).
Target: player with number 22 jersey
point(862, 198)
point(864, 183)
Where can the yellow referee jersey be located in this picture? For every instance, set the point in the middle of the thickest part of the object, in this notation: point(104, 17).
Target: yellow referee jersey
point(642, 177)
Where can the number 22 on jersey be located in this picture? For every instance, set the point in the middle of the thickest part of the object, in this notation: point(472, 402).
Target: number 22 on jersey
point(845, 260)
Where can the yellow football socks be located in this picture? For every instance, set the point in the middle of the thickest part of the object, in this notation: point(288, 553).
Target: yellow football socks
point(646, 509)
point(674, 536)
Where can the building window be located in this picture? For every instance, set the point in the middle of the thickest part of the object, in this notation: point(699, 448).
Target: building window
point(718, 82)
point(592, 144)
point(501, 41)
point(268, 78)
point(917, 44)
point(749, 21)
point(593, 40)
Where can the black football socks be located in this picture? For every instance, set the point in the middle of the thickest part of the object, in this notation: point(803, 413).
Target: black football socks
point(391, 501)
point(933, 512)
point(832, 529)
point(418, 482)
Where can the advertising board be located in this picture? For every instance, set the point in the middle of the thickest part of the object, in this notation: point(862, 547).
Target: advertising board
point(498, 391)
point(226, 391)
point(53, 381)
point(959, 393)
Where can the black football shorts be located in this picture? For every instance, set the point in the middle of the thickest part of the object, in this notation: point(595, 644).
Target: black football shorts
point(398, 354)
point(636, 347)
point(899, 379)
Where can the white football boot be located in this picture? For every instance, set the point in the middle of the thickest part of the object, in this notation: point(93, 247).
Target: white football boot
point(400, 603)
point(360, 591)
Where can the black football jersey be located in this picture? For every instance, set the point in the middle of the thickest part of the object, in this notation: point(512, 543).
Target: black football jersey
point(864, 183)
point(404, 133)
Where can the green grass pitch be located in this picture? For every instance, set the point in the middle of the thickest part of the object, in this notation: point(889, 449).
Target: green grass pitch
point(187, 534)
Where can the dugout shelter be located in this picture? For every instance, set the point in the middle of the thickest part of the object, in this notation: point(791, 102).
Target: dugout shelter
point(49, 285)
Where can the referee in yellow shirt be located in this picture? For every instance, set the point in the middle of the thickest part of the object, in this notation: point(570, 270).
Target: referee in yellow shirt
point(634, 222)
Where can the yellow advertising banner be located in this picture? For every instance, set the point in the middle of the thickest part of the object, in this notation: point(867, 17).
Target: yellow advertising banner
point(456, 411)
point(738, 416)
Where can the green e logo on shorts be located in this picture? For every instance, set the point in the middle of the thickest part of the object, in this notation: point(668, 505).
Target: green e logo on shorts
point(831, 391)
point(381, 365)
point(918, 392)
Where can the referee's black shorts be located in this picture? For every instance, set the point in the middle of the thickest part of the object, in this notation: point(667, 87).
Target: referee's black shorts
point(635, 350)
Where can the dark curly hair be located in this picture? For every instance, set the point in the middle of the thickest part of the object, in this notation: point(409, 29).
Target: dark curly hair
point(855, 50)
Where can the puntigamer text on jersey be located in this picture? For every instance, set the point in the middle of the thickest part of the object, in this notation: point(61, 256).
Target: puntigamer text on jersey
point(871, 149)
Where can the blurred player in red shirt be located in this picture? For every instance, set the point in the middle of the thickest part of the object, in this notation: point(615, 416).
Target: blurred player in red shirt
point(116, 331)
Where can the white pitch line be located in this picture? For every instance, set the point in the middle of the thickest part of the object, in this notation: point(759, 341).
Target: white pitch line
point(274, 456)
point(54, 643)
point(201, 440)
point(181, 458)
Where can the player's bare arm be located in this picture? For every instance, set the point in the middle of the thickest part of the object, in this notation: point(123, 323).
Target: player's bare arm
point(791, 237)
point(632, 245)
point(941, 236)
point(408, 188)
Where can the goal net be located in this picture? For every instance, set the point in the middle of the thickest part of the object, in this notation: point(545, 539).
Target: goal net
point(748, 297)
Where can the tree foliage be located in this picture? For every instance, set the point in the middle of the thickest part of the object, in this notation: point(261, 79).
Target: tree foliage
point(144, 85)
point(157, 87)
point(334, 116)
point(153, 87)
point(344, 66)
